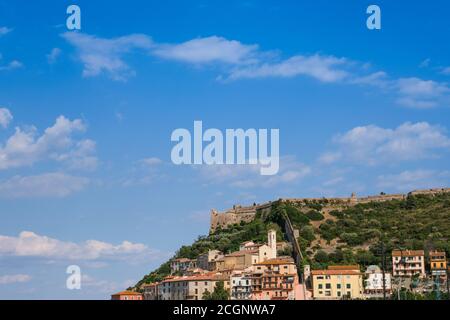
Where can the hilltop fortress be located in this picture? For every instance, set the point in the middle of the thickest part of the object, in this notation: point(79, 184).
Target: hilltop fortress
point(239, 214)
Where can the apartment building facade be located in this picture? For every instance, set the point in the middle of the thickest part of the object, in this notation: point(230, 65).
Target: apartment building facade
point(241, 286)
point(438, 264)
point(275, 279)
point(373, 284)
point(337, 283)
point(408, 263)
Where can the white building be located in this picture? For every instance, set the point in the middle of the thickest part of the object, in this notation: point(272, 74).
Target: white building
point(374, 283)
point(241, 286)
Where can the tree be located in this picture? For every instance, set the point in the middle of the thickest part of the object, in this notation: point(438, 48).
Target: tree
point(219, 293)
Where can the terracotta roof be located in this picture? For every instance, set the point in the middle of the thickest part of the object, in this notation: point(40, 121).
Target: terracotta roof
point(408, 253)
point(128, 293)
point(201, 277)
point(334, 272)
point(241, 253)
point(437, 253)
point(274, 262)
point(350, 267)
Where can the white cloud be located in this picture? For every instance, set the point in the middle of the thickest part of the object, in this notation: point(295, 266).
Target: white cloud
point(5, 117)
point(30, 244)
point(415, 179)
point(24, 147)
point(418, 93)
point(14, 64)
point(44, 185)
point(100, 55)
point(322, 68)
point(81, 157)
point(4, 31)
point(208, 50)
point(14, 278)
point(246, 61)
point(425, 63)
point(151, 161)
point(145, 172)
point(249, 176)
point(373, 145)
point(446, 70)
point(53, 55)
point(330, 157)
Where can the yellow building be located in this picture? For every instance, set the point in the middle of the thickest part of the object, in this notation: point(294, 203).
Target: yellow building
point(438, 263)
point(337, 283)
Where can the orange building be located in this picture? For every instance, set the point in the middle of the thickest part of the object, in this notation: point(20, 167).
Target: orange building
point(438, 264)
point(127, 295)
point(274, 279)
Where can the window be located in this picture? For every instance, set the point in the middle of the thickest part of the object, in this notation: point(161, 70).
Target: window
point(349, 286)
point(339, 286)
point(320, 286)
point(328, 286)
point(339, 293)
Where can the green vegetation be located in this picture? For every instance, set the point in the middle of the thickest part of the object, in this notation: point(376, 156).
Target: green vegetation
point(227, 241)
point(339, 234)
point(219, 293)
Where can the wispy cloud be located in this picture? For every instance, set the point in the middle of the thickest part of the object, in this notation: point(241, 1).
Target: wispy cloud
point(414, 179)
point(4, 31)
point(100, 55)
point(249, 176)
point(372, 145)
point(209, 50)
point(14, 64)
point(238, 60)
point(53, 55)
point(14, 278)
point(5, 117)
point(55, 184)
point(319, 67)
point(30, 244)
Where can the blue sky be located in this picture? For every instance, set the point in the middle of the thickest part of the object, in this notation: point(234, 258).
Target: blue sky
point(86, 118)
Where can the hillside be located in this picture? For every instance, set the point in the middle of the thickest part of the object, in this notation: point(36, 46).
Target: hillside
point(331, 234)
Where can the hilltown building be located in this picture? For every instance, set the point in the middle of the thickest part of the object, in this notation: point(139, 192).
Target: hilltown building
point(408, 263)
point(241, 286)
point(249, 254)
point(182, 265)
point(275, 279)
point(337, 282)
point(186, 287)
point(208, 260)
point(374, 287)
point(438, 264)
point(127, 295)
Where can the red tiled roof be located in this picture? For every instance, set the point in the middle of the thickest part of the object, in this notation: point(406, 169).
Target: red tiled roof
point(351, 267)
point(274, 262)
point(408, 253)
point(334, 272)
point(128, 293)
point(241, 253)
